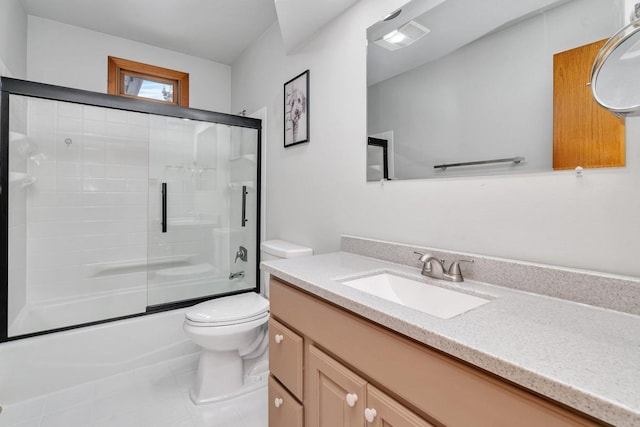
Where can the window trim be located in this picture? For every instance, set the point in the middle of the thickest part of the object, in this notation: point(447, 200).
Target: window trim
point(117, 67)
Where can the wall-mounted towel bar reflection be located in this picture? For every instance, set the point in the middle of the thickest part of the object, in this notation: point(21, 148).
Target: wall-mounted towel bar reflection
point(515, 160)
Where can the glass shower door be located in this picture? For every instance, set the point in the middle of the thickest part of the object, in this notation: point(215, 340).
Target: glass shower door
point(202, 210)
point(77, 210)
point(111, 208)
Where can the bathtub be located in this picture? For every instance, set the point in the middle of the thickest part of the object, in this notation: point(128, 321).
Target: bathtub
point(53, 314)
point(34, 366)
point(59, 313)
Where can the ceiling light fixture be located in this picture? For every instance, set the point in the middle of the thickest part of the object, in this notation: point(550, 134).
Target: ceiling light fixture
point(404, 36)
point(394, 37)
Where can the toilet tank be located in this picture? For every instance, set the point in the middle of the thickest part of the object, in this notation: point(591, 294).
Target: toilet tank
point(279, 249)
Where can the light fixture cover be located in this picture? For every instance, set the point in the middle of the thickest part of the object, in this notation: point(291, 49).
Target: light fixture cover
point(404, 36)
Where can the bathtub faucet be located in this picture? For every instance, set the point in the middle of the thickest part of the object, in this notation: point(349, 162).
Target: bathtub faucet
point(238, 275)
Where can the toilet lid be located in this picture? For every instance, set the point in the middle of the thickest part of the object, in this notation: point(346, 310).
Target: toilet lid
point(235, 308)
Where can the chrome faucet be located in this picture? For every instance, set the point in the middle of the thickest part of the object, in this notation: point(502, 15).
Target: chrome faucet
point(238, 275)
point(434, 267)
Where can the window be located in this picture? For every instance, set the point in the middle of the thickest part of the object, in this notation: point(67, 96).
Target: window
point(142, 81)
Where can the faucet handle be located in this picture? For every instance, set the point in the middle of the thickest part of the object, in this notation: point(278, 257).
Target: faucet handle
point(454, 269)
point(423, 257)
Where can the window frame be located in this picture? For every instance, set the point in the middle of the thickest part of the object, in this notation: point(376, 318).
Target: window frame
point(118, 67)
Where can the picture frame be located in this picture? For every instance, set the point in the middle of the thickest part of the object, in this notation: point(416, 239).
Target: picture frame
point(296, 110)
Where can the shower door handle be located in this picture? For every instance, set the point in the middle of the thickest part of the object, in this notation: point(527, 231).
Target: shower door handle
point(244, 205)
point(164, 207)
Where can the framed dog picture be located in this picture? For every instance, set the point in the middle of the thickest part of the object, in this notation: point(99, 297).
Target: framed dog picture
point(296, 110)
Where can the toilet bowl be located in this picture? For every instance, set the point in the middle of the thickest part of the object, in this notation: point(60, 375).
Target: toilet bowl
point(232, 332)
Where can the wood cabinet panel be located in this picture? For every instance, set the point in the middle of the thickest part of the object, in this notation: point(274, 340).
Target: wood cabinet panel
point(286, 357)
point(284, 410)
point(442, 388)
point(584, 134)
point(331, 388)
point(389, 413)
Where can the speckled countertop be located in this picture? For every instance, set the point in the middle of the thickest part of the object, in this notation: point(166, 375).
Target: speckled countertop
point(583, 356)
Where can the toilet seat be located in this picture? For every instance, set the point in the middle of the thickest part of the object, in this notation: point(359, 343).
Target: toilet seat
point(226, 311)
point(259, 319)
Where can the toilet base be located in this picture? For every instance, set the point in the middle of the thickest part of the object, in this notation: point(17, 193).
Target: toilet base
point(220, 376)
point(244, 389)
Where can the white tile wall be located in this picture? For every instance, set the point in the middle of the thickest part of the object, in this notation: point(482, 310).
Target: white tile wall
point(96, 204)
point(192, 158)
point(17, 212)
point(89, 204)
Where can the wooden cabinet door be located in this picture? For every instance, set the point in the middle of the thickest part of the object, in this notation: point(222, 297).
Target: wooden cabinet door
point(284, 410)
point(584, 134)
point(335, 395)
point(383, 411)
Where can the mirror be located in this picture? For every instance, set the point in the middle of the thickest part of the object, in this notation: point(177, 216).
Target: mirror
point(614, 80)
point(461, 81)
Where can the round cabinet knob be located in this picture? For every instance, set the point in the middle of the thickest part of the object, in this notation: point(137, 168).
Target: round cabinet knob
point(278, 338)
point(370, 414)
point(278, 402)
point(352, 398)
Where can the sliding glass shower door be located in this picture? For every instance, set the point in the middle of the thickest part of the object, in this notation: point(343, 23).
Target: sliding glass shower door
point(202, 209)
point(112, 208)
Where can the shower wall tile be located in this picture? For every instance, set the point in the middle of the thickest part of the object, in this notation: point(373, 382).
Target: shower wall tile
point(89, 204)
point(46, 169)
point(19, 149)
point(93, 217)
point(117, 116)
point(95, 127)
point(68, 184)
point(69, 169)
point(18, 270)
point(66, 109)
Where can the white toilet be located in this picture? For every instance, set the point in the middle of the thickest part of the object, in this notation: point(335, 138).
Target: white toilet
point(232, 332)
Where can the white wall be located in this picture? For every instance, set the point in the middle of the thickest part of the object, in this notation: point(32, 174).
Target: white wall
point(427, 130)
point(13, 39)
point(75, 57)
point(317, 191)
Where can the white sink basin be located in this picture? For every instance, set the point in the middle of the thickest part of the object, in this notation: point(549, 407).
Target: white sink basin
point(434, 300)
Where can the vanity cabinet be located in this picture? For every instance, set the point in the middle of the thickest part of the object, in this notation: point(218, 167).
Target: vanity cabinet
point(402, 382)
point(339, 397)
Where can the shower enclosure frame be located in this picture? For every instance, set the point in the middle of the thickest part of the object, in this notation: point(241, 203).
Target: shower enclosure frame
point(10, 86)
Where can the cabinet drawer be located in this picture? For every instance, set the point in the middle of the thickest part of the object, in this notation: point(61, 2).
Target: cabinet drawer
point(284, 410)
point(285, 357)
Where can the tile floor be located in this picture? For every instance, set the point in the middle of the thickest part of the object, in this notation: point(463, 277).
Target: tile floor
point(153, 396)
